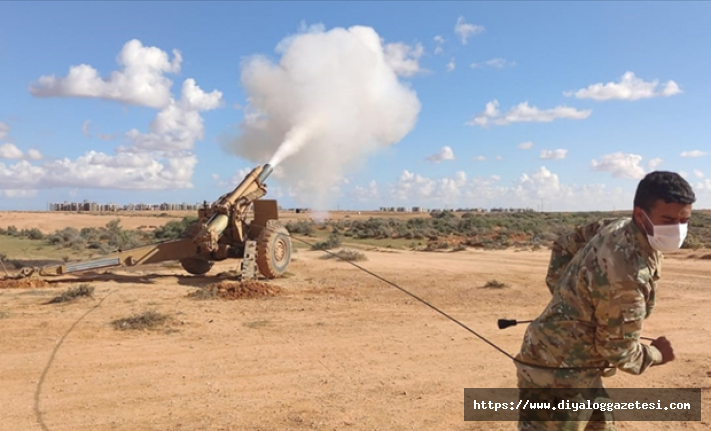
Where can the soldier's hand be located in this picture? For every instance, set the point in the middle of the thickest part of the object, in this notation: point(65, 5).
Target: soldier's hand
point(665, 347)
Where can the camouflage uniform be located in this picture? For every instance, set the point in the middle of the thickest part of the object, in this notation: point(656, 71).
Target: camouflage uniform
point(602, 278)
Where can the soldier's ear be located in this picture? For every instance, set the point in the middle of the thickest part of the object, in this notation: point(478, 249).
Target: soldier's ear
point(638, 216)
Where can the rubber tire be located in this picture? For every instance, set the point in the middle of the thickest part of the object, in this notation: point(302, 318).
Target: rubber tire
point(196, 266)
point(273, 251)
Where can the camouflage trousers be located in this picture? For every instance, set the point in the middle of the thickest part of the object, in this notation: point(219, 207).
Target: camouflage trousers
point(566, 388)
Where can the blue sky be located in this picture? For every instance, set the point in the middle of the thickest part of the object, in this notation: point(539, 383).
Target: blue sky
point(601, 93)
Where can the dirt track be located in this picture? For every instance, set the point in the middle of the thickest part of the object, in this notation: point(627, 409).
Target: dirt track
point(336, 349)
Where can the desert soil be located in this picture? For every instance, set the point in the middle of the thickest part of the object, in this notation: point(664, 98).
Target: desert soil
point(48, 222)
point(330, 348)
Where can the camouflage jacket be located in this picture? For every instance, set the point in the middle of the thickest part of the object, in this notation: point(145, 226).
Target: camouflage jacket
point(565, 247)
point(600, 300)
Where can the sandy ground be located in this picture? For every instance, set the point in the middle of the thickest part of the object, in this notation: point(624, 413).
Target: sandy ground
point(49, 222)
point(336, 350)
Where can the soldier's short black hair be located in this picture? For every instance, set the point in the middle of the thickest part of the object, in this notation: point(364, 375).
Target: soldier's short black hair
point(668, 186)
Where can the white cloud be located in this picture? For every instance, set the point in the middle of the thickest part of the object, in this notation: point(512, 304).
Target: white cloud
point(412, 186)
point(693, 153)
point(522, 113)
point(178, 125)
point(445, 153)
point(629, 87)
point(620, 165)
point(99, 170)
point(140, 80)
point(499, 158)
point(439, 40)
point(403, 58)
point(525, 192)
point(497, 63)
point(366, 194)
point(479, 158)
point(107, 137)
point(18, 193)
point(85, 128)
point(526, 145)
point(33, 154)
point(553, 154)
point(10, 151)
point(465, 30)
point(4, 129)
point(451, 65)
point(159, 159)
point(654, 163)
point(698, 173)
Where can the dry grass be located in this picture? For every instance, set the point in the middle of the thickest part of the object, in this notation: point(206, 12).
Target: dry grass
point(495, 284)
point(71, 294)
point(146, 320)
point(347, 254)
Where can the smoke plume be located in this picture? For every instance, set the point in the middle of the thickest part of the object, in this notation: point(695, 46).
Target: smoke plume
point(333, 100)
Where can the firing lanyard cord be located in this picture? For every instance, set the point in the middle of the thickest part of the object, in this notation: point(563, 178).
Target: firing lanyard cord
point(447, 315)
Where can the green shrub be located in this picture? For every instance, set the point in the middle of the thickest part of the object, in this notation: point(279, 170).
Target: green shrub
point(333, 241)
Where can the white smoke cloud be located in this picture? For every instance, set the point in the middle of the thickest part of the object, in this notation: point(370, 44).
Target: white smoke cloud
point(333, 99)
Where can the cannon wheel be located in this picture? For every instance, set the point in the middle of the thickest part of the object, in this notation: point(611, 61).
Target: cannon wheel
point(273, 251)
point(196, 266)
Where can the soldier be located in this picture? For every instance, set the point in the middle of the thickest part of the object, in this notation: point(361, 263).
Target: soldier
point(602, 278)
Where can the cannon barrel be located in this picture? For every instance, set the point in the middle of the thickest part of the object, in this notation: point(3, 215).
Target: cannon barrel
point(253, 182)
point(266, 171)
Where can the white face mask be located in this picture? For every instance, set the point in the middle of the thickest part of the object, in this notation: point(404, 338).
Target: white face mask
point(667, 238)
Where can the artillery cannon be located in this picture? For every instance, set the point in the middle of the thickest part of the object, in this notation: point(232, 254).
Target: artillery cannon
point(221, 232)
